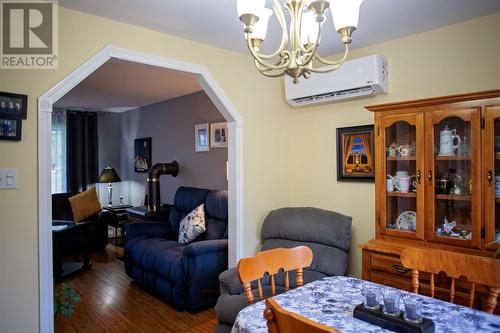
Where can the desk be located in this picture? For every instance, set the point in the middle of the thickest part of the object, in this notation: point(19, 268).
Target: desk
point(331, 301)
point(64, 230)
point(120, 219)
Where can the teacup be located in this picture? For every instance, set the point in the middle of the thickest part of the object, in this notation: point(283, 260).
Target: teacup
point(391, 184)
point(405, 183)
point(392, 151)
point(405, 150)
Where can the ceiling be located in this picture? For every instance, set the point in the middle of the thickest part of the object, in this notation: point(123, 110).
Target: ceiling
point(214, 22)
point(119, 86)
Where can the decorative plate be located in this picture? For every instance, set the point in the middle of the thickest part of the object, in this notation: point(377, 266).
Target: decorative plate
point(407, 220)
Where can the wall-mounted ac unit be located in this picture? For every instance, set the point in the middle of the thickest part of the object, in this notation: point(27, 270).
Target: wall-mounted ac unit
point(356, 78)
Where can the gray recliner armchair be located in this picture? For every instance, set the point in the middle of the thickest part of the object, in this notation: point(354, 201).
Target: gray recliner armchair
point(326, 233)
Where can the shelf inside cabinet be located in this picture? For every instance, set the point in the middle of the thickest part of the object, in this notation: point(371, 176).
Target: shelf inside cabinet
point(497, 200)
point(497, 156)
point(453, 158)
point(403, 195)
point(453, 197)
point(402, 158)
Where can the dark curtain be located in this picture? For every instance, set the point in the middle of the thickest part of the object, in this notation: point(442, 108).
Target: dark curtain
point(82, 150)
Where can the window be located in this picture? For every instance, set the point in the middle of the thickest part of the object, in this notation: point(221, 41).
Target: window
point(58, 158)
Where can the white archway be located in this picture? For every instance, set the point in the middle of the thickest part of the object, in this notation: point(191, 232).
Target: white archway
point(45, 103)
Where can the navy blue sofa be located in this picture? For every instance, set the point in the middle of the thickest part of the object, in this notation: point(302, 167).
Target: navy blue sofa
point(184, 274)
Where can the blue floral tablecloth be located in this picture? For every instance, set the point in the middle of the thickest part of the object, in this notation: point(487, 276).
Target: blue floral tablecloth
point(331, 301)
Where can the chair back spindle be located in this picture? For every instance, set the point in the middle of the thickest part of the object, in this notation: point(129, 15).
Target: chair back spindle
point(476, 269)
point(271, 262)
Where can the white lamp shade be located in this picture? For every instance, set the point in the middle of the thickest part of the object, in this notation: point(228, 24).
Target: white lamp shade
point(309, 28)
point(345, 13)
point(250, 6)
point(260, 27)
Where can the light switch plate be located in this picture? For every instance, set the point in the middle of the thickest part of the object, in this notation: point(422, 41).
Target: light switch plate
point(8, 179)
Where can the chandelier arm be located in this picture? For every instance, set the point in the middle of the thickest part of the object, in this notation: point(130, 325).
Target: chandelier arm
point(302, 48)
point(265, 73)
point(268, 72)
point(261, 68)
point(259, 59)
point(325, 69)
point(336, 62)
point(296, 20)
point(284, 37)
point(311, 55)
point(282, 21)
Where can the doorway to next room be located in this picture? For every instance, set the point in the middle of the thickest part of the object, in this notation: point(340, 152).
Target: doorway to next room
point(148, 145)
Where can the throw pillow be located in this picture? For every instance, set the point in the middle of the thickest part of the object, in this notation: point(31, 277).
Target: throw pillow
point(192, 225)
point(84, 204)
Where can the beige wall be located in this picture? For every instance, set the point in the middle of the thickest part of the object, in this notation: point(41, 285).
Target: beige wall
point(289, 153)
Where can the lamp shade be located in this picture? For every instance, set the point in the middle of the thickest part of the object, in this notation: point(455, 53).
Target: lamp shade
point(309, 28)
point(260, 27)
point(345, 13)
point(250, 6)
point(109, 175)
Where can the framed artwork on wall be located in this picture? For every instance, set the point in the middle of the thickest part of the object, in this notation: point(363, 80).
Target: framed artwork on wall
point(142, 154)
point(10, 128)
point(201, 137)
point(218, 135)
point(356, 154)
point(15, 105)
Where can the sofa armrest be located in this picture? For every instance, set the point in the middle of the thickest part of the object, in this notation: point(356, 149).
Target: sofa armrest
point(205, 247)
point(230, 282)
point(147, 229)
point(105, 216)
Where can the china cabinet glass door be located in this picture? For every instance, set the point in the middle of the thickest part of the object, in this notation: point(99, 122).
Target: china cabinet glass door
point(491, 175)
point(453, 177)
point(402, 156)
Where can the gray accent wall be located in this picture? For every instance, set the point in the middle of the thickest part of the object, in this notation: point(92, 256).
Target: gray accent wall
point(109, 134)
point(170, 124)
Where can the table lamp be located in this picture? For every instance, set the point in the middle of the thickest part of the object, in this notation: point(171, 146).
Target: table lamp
point(109, 175)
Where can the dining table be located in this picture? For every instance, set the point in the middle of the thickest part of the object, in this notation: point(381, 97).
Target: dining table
point(331, 301)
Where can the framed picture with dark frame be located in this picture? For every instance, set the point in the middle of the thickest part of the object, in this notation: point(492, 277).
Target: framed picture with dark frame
point(13, 105)
point(356, 154)
point(10, 128)
point(142, 154)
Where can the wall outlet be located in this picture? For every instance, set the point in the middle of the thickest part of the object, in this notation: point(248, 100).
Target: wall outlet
point(8, 179)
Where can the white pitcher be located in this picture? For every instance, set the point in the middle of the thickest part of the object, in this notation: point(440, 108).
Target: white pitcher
point(446, 142)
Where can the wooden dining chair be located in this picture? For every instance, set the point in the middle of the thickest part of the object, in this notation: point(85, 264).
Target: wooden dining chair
point(477, 270)
point(280, 320)
point(271, 262)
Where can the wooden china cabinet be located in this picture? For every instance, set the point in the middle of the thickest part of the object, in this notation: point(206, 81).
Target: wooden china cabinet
point(437, 166)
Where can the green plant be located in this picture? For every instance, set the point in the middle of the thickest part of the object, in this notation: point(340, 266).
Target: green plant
point(497, 252)
point(65, 299)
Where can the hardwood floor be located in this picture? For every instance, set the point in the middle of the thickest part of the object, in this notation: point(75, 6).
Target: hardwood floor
point(112, 303)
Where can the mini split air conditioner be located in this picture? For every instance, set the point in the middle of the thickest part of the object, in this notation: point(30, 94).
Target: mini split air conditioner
point(357, 78)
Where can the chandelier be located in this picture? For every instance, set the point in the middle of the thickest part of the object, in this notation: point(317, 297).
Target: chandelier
point(297, 54)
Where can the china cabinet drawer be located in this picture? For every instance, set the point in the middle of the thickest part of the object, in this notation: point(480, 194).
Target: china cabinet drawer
point(388, 264)
point(391, 281)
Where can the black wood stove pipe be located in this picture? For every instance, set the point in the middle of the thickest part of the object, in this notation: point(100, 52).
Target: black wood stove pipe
point(154, 182)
